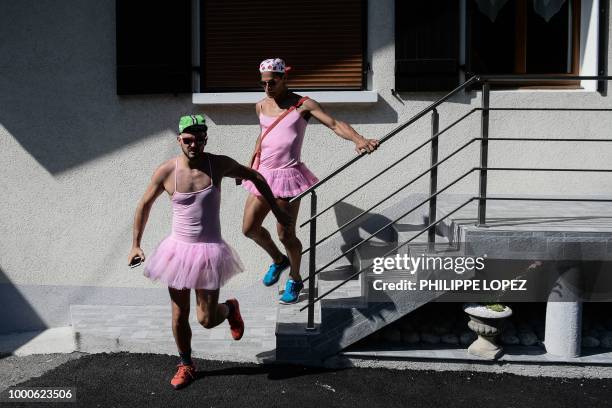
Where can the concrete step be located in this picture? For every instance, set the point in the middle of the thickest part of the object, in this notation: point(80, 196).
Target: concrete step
point(347, 296)
point(352, 314)
point(345, 316)
point(147, 329)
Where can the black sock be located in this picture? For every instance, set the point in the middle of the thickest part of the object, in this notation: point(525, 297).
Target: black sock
point(230, 308)
point(283, 260)
point(186, 357)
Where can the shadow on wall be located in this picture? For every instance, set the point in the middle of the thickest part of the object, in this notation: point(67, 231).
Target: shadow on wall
point(59, 88)
point(363, 227)
point(58, 85)
point(378, 113)
point(16, 313)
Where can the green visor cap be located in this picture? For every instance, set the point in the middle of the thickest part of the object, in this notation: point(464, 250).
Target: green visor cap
point(190, 120)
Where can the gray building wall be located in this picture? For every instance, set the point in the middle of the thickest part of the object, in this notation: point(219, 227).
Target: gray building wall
point(76, 157)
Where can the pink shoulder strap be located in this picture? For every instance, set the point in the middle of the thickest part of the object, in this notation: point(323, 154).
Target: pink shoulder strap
point(212, 181)
point(276, 122)
point(175, 171)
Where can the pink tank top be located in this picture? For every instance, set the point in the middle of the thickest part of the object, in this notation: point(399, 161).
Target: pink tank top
point(282, 147)
point(195, 215)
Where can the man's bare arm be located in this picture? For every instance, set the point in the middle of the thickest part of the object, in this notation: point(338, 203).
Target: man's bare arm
point(342, 129)
point(154, 189)
point(231, 168)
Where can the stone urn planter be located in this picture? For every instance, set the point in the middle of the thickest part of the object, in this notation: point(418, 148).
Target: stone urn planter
point(487, 324)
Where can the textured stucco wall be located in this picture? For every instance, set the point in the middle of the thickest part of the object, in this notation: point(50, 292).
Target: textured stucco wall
point(76, 157)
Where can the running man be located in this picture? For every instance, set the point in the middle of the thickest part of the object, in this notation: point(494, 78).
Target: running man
point(195, 256)
point(283, 116)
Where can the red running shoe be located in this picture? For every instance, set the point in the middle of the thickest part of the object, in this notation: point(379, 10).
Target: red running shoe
point(183, 377)
point(235, 320)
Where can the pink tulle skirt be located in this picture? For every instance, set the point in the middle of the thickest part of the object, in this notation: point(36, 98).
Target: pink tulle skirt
point(193, 265)
point(286, 182)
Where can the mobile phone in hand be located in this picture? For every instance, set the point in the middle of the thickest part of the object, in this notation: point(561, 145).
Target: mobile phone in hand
point(136, 261)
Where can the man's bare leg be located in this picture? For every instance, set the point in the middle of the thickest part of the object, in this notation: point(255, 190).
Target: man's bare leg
point(292, 244)
point(180, 319)
point(210, 313)
point(255, 210)
point(182, 337)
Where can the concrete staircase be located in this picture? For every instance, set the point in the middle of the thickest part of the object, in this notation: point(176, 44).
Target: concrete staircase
point(353, 311)
point(524, 231)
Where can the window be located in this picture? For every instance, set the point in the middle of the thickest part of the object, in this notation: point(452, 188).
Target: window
point(523, 37)
point(153, 46)
point(323, 40)
point(438, 41)
point(426, 45)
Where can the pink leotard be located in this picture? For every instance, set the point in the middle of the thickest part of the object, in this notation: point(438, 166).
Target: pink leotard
point(280, 162)
point(194, 255)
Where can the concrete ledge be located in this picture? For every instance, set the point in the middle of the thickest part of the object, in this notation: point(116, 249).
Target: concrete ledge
point(55, 340)
point(558, 371)
point(225, 98)
point(521, 354)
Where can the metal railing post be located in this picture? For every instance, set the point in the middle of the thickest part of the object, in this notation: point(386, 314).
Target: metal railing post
point(433, 178)
point(312, 267)
point(484, 150)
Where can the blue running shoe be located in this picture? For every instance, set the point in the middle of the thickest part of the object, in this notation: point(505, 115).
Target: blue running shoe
point(274, 272)
point(292, 292)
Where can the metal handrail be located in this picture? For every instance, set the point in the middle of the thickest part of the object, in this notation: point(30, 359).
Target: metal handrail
point(473, 79)
point(540, 77)
point(582, 200)
point(393, 250)
point(364, 212)
point(543, 139)
point(359, 272)
point(389, 135)
point(457, 209)
point(416, 149)
point(552, 109)
point(573, 170)
point(483, 169)
point(372, 235)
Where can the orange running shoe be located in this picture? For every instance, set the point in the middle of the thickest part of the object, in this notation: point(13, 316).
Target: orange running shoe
point(235, 320)
point(184, 375)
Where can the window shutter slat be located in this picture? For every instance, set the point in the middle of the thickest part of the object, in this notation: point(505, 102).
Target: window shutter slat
point(426, 45)
point(153, 46)
point(323, 41)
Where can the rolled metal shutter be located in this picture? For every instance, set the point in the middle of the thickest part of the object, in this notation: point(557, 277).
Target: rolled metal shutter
point(323, 40)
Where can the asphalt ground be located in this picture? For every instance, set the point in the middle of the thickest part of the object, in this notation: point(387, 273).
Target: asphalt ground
point(142, 380)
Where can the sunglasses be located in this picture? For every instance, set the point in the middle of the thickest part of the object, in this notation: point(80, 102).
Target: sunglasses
point(270, 83)
point(189, 140)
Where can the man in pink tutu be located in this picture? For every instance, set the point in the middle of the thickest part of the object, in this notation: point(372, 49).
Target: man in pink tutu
point(195, 256)
point(283, 116)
